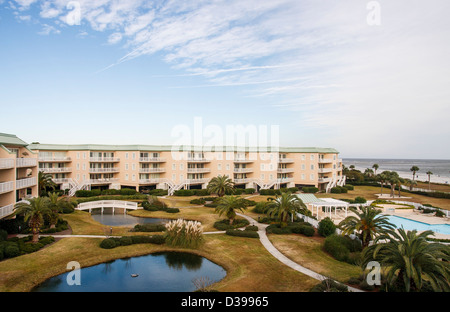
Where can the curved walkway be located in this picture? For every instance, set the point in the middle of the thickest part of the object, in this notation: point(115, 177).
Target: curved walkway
point(282, 258)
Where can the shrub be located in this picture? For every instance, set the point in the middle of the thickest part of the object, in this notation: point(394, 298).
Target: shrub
point(335, 190)
point(108, 243)
point(336, 248)
point(3, 235)
point(328, 285)
point(326, 227)
point(46, 240)
point(184, 233)
point(251, 234)
point(184, 193)
point(307, 230)
point(11, 251)
point(310, 189)
point(260, 207)
point(149, 228)
point(252, 228)
point(249, 191)
point(349, 187)
point(439, 213)
point(198, 201)
point(223, 225)
point(270, 192)
point(360, 200)
point(125, 241)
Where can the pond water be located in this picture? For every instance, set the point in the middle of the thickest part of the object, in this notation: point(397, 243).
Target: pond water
point(159, 272)
point(120, 219)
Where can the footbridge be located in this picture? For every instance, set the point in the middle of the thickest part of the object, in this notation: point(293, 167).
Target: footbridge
point(102, 204)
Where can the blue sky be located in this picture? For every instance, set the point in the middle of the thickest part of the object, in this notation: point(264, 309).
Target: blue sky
point(317, 70)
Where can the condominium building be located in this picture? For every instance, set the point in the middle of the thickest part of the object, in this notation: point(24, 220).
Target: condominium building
point(141, 167)
point(18, 173)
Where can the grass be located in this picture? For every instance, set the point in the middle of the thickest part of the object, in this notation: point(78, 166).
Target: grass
point(250, 268)
point(308, 252)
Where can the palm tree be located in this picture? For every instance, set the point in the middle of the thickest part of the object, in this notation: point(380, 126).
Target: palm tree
point(283, 206)
point(429, 173)
point(414, 169)
point(54, 206)
point(368, 224)
point(382, 177)
point(411, 183)
point(368, 172)
point(409, 260)
point(34, 211)
point(45, 181)
point(375, 167)
point(220, 185)
point(393, 179)
point(227, 206)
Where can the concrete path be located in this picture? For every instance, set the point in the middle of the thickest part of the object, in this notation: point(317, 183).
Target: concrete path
point(282, 258)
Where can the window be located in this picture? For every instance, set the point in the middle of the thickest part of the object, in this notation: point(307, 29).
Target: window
point(262, 176)
point(134, 155)
point(311, 177)
point(228, 166)
point(181, 166)
point(334, 157)
point(174, 167)
point(133, 178)
point(84, 155)
point(174, 177)
point(84, 166)
point(271, 177)
point(181, 177)
point(303, 176)
point(78, 155)
point(126, 155)
point(133, 166)
point(312, 167)
point(78, 177)
point(312, 157)
point(78, 166)
point(303, 166)
point(126, 166)
point(126, 176)
point(262, 167)
point(303, 157)
point(219, 167)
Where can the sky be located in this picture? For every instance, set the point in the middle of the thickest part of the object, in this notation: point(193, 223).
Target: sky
point(368, 78)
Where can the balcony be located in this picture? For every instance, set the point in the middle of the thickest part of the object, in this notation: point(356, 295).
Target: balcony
point(55, 159)
point(151, 170)
point(104, 159)
point(197, 181)
point(6, 210)
point(198, 160)
point(61, 180)
point(325, 160)
point(198, 170)
point(27, 182)
point(6, 187)
point(324, 180)
point(242, 170)
point(56, 170)
point(26, 162)
point(103, 170)
point(285, 180)
point(6, 163)
point(285, 160)
point(325, 170)
point(242, 161)
point(285, 170)
point(150, 181)
point(241, 181)
point(102, 181)
point(152, 159)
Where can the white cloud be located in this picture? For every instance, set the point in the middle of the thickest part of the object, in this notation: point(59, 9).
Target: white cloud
point(48, 29)
point(114, 38)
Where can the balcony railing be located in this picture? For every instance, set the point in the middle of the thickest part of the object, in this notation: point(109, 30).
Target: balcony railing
point(6, 163)
point(324, 180)
point(55, 170)
point(102, 181)
point(6, 210)
point(152, 170)
point(285, 170)
point(284, 180)
point(54, 159)
point(242, 160)
point(242, 170)
point(198, 170)
point(152, 159)
point(285, 160)
point(240, 181)
point(61, 180)
point(325, 170)
point(197, 181)
point(6, 187)
point(104, 159)
point(325, 160)
point(26, 162)
point(198, 160)
point(103, 170)
point(149, 181)
point(27, 182)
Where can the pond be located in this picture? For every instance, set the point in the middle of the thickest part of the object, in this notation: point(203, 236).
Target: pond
point(159, 272)
point(121, 219)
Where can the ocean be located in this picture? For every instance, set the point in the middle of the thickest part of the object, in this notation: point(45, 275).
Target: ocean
point(439, 167)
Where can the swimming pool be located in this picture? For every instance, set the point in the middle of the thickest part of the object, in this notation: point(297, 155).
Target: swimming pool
point(409, 224)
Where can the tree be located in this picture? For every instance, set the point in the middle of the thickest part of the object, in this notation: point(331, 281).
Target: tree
point(409, 260)
point(220, 185)
point(368, 172)
point(45, 181)
point(368, 224)
point(227, 206)
point(34, 211)
point(382, 178)
point(283, 206)
point(414, 169)
point(410, 183)
point(393, 179)
point(54, 206)
point(429, 173)
point(375, 167)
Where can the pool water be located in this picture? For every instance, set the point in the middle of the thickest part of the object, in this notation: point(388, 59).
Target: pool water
point(409, 224)
point(159, 272)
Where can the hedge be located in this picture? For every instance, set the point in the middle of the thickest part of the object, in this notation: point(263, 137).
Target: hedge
point(149, 228)
point(251, 234)
point(310, 189)
point(343, 248)
point(224, 225)
point(326, 227)
point(109, 243)
point(97, 192)
point(14, 247)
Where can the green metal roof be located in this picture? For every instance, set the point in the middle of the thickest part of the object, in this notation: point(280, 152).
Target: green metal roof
point(163, 148)
point(308, 198)
point(11, 139)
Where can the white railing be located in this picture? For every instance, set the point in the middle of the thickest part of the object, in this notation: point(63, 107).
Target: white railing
point(101, 170)
point(23, 183)
point(242, 170)
point(152, 159)
point(324, 170)
point(238, 181)
point(26, 162)
point(284, 180)
point(325, 160)
point(6, 187)
point(55, 170)
point(61, 180)
point(285, 170)
point(242, 160)
point(55, 159)
point(6, 163)
point(151, 170)
point(324, 180)
point(104, 159)
point(199, 160)
point(195, 181)
point(101, 181)
point(198, 170)
point(6, 210)
point(108, 204)
point(150, 181)
point(285, 160)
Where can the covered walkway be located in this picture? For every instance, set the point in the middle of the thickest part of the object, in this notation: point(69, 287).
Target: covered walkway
point(325, 205)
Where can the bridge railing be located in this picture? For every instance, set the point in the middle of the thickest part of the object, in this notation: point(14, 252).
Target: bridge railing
point(108, 204)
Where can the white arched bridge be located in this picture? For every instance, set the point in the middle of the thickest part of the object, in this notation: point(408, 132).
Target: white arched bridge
point(114, 204)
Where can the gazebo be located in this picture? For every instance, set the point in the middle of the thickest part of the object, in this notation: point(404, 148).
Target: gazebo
point(328, 204)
